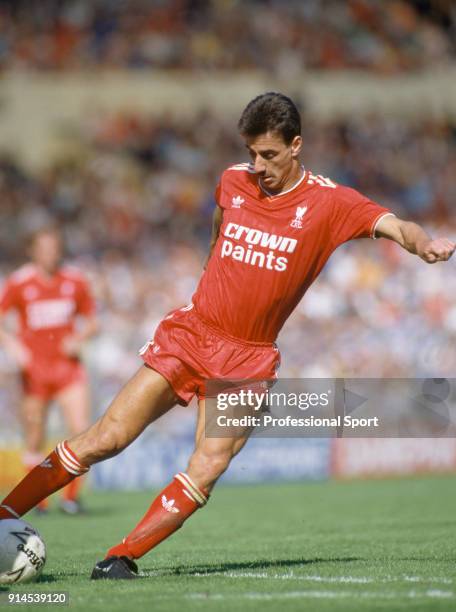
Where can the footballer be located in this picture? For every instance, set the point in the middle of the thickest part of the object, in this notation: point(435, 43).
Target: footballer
point(275, 226)
point(48, 298)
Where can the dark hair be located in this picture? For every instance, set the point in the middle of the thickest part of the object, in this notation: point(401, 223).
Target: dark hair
point(271, 112)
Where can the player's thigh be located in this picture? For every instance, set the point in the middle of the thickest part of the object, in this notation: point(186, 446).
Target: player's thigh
point(74, 402)
point(143, 399)
point(206, 431)
point(201, 421)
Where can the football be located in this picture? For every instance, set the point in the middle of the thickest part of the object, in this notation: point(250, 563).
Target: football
point(22, 552)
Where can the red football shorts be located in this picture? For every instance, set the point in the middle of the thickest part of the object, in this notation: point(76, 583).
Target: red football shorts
point(187, 351)
point(48, 379)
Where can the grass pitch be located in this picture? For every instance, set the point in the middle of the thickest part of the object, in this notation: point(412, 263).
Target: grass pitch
point(385, 545)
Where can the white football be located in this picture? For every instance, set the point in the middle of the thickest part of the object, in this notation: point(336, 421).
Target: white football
point(22, 552)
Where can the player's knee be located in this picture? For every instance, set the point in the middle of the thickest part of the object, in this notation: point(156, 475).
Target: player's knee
point(209, 466)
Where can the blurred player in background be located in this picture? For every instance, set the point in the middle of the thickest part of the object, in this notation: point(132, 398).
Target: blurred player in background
point(48, 297)
point(275, 226)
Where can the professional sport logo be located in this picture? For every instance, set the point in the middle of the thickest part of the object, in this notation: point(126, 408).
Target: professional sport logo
point(237, 201)
point(297, 221)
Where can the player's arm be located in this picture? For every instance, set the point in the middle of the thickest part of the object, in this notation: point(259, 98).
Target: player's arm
point(89, 329)
point(414, 239)
point(217, 219)
point(13, 346)
point(88, 324)
point(72, 345)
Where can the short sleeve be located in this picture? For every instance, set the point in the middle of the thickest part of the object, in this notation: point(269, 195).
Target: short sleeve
point(218, 193)
point(85, 300)
point(354, 215)
point(9, 296)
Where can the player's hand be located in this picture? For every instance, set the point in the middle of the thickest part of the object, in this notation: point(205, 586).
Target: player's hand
point(440, 249)
point(19, 352)
point(71, 346)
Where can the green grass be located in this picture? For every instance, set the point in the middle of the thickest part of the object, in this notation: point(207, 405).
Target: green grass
point(386, 545)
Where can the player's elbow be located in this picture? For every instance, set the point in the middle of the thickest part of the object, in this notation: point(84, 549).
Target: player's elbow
point(92, 328)
point(392, 228)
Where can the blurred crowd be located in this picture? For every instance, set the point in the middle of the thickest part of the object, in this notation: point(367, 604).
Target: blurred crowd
point(385, 36)
point(132, 181)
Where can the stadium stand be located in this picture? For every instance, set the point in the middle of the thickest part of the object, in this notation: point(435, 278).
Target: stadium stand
point(385, 37)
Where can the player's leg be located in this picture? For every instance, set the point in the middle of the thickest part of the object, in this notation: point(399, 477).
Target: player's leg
point(212, 455)
point(187, 492)
point(34, 412)
point(141, 401)
point(33, 416)
point(74, 402)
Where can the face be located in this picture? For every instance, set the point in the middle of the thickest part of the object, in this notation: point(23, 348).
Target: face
point(275, 161)
point(46, 251)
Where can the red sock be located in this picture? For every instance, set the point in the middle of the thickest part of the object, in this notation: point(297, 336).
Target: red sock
point(168, 511)
point(71, 491)
point(30, 459)
point(57, 470)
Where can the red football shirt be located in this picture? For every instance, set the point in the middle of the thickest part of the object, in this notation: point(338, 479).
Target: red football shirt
point(47, 308)
point(272, 247)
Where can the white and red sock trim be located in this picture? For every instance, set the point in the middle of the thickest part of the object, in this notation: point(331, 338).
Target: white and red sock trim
point(191, 490)
point(69, 460)
point(13, 513)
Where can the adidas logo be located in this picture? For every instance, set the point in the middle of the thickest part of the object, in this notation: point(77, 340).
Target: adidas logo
point(237, 201)
point(169, 505)
point(297, 221)
point(47, 463)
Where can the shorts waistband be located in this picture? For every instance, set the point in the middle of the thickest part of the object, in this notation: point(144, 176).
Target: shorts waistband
point(222, 334)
